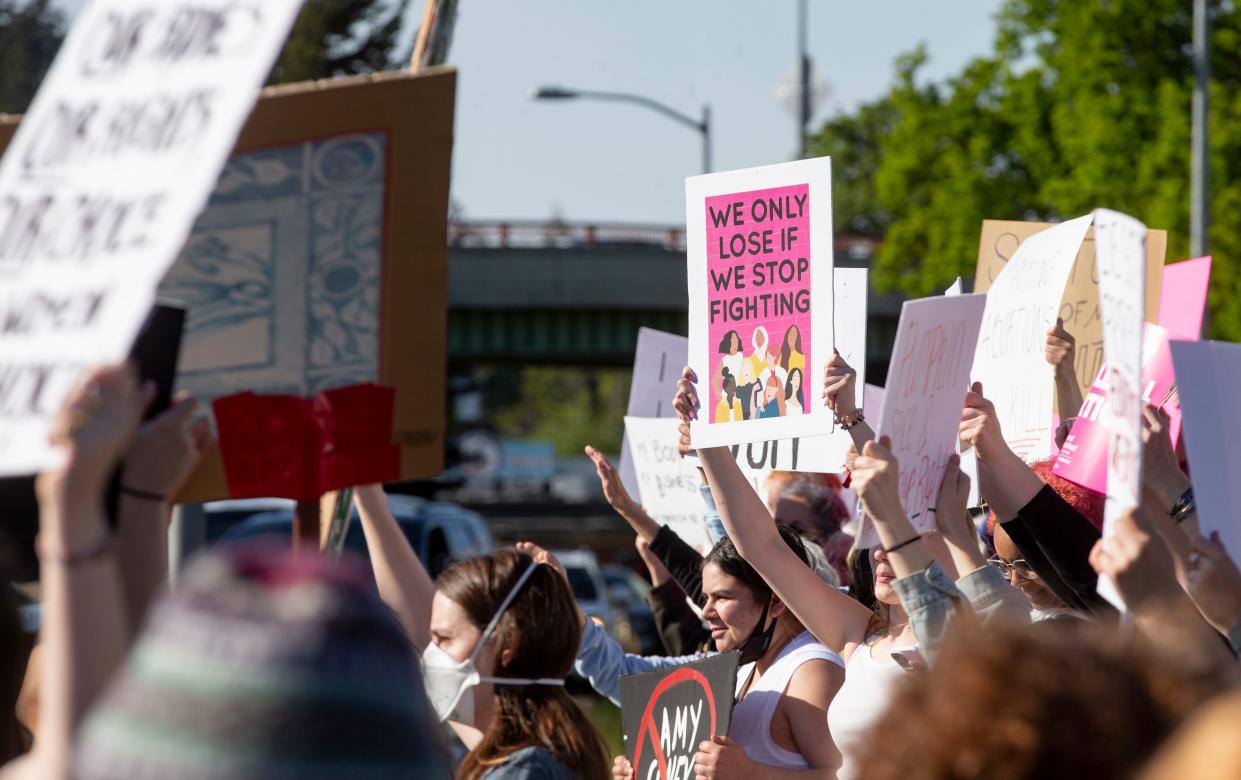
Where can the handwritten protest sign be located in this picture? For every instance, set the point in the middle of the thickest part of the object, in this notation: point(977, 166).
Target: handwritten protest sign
point(927, 379)
point(667, 484)
point(759, 245)
point(1083, 459)
point(1079, 308)
point(1021, 305)
point(1120, 249)
point(1183, 297)
point(102, 181)
point(667, 714)
point(1208, 374)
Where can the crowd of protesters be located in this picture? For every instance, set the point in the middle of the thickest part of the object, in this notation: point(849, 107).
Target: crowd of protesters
point(982, 649)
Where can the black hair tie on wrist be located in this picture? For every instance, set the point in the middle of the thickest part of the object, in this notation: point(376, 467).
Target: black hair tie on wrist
point(906, 543)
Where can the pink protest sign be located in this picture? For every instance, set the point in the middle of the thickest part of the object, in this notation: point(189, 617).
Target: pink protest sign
point(760, 288)
point(1183, 297)
point(758, 303)
point(1083, 459)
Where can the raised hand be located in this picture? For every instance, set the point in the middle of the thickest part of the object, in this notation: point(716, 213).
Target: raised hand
point(95, 425)
point(1137, 561)
point(613, 489)
point(1215, 583)
point(1060, 348)
point(876, 479)
point(685, 402)
point(1162, 477)
point(622, 769)
point(980, 428)
point(167, 449)
point(840, 386)
point(721, 758)
point(683, 443)
point(953, 520)
point(543, 555)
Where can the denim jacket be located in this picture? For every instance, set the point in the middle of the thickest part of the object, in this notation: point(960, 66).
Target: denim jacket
point(931, 600)
point(602, 661)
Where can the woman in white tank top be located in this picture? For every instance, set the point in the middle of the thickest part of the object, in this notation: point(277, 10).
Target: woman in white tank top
point(865, 638)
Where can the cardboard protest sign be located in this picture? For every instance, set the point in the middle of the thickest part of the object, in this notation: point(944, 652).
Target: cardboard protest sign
point(1120, 249)
point(1079, 308)
point(1083, 459)
point(668, 713)
point(1021, 305)
point(102, 181)
point(1183, 297)
point(927, 379)
point(759, 246)
point(1208, 374)
point(321, 260)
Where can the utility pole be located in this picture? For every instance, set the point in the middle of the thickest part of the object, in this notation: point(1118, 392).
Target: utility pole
point(1200, 152)
point(803, 119)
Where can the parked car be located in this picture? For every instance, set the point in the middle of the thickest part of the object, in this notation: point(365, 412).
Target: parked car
point(440, 533)
point(591, 591)
point(628, 591)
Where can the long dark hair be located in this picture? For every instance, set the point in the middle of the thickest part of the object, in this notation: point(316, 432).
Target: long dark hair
point(726, 342)
point(725, 556)
point(540, 628)
point(785, 354)
point(788, 387)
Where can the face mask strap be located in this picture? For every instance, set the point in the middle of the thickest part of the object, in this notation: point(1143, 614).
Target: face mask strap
point(512, 594)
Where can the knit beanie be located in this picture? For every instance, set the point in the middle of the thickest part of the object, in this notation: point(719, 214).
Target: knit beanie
point(261, 665)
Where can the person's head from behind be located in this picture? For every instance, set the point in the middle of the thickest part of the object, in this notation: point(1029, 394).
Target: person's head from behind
point(533, 644)
point(741, 610)
point(1018, 702)
point(1019, 573)
point(265, 663)
point(1087, 502)
point(810, 508)
point(1205, 748)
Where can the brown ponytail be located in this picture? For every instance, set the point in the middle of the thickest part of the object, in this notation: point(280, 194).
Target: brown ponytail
point(540, 628)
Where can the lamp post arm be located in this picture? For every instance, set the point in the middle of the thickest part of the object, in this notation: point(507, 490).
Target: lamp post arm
point(654, 105)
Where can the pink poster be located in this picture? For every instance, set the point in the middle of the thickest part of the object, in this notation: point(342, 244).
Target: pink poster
point(758, 304)
point(1183, 297)
point(1083, 459)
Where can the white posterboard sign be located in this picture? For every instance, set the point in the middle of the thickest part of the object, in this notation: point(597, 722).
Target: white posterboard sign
point(667, 482)
point(660, 357)
point(927, 381)
point(1208, 374)
point(1021, 305)
point(102, 182)
point(1120, 253)
point(759, 249)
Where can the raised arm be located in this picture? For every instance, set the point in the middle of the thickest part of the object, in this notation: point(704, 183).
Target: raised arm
point(618, 497)
point(164, 453)
point(1060, 351)
point(403, 583)
point(1005, 481)
point(840, 393)
point(84, 621)
point(835, 619)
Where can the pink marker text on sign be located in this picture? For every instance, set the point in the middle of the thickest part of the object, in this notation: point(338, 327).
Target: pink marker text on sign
point(758, 304)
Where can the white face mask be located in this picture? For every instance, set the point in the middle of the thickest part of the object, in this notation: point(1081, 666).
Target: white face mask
point(450, 683)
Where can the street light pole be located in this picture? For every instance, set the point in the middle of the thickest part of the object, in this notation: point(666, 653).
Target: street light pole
point(703, 126)
point(1200, 154)
point(803, 58)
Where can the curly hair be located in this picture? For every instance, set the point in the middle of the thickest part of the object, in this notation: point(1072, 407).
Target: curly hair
point(1021, 702)
point(1088, 503)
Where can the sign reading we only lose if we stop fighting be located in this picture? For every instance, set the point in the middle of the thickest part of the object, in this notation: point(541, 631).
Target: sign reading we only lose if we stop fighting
point(102, 182)
point(759, 245)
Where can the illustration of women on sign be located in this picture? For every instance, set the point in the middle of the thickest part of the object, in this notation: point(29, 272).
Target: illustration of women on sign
point(791, 354)
point(793, 401)
point(748, 389)
point(771, 402)
point(759, 359)
point(730, 363)
point(729, 408)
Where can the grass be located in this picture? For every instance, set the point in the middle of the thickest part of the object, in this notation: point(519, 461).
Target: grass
point(607, 718)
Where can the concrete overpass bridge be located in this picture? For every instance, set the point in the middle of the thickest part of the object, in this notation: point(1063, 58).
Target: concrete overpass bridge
point(551, 292)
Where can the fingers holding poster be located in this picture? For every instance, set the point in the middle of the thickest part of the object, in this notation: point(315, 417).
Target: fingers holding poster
point(760, 281)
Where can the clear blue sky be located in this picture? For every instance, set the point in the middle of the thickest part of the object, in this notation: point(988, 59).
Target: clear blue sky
point(518, 158)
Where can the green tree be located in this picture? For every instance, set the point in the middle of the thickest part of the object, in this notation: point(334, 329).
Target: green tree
point(341, 38)
point(1079, 105)
point(30, 35)
point(571, 407)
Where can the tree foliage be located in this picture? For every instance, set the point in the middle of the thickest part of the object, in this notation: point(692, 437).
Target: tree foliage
point(340, 38)
point(30, 35)
point(1079, 105)
point(571, 407)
